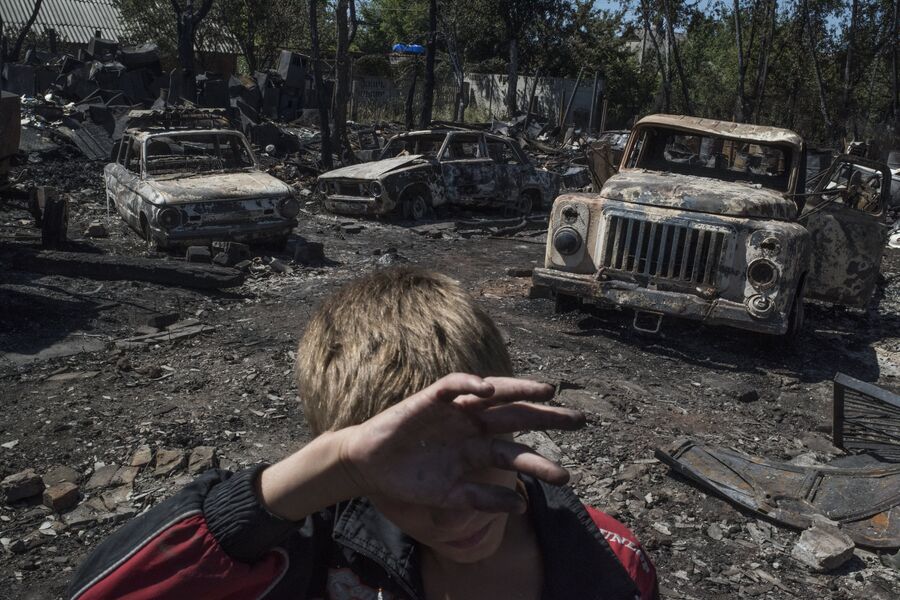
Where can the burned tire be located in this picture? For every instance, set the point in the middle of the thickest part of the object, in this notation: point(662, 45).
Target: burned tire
point(416, 204)
point(564, 303)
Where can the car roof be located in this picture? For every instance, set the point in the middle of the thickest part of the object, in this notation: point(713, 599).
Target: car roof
point(753, 133)
point(141, 135)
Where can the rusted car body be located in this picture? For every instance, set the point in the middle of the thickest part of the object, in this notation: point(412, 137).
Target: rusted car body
point(193, 186)
point(707, 220)
point(422, 170)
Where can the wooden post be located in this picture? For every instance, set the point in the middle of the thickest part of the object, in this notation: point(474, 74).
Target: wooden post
point(51, 35)
point(354, 102)
point(603, 113)
point(537, 75)
point(572, 98)
point(592, 124)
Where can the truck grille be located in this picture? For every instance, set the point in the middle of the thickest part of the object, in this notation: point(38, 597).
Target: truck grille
point(349, 189)
point(676, 252)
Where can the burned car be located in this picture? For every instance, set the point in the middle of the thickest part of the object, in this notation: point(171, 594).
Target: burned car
point(192, 186)
point(422, 170)
point(708, 220)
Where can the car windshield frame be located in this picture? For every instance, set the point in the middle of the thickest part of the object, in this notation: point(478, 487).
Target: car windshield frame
point(640, 157)
point(415, 138)
point(221, 140)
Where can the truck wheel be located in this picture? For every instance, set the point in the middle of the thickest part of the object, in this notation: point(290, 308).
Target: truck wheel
point(416, 205)
point(564, 303)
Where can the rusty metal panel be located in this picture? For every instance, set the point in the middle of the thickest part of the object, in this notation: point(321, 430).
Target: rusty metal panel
point(865, 501)
point(866, 418)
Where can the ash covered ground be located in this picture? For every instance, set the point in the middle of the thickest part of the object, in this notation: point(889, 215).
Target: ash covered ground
point(73, 398)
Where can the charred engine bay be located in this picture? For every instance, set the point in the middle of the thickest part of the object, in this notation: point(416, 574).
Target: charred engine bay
point(79, 392)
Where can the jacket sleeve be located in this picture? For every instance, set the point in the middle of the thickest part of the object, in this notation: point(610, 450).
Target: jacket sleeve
point(629, 552)
point(211, 540)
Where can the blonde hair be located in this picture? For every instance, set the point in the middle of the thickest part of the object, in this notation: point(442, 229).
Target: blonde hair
point(384, 337)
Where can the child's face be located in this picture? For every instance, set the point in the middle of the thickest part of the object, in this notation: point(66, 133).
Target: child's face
point(462, 536)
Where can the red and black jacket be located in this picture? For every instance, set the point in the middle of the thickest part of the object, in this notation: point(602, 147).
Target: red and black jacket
point(214, 540)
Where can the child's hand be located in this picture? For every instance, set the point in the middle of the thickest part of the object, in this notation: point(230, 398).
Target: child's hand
point(422, 449)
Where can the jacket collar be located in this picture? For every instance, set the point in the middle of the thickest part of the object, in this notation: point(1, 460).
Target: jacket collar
point(578, 562)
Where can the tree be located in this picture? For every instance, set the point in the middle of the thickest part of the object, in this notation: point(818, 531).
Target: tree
point(345, 31)
point(186, 22)
point(321, 93)
point(431, 50)
point(13, 55)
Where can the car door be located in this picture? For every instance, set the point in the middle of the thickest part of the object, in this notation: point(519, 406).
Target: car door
point(512, 171)
point(128, 177)
point(846, 217)
point(468, 172)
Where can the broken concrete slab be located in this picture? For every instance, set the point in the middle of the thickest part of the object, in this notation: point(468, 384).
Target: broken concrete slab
point(61, 496)
point(823, 547)
point(21, 485)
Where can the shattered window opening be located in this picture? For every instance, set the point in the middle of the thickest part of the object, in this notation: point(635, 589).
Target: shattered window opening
point(196, 153)
point(463, 147)
point(716, 157)
point(428, 144)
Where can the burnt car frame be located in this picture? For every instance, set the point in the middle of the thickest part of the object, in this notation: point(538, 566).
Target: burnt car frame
point(423, 170)
point(192, 186)
point(707, 220)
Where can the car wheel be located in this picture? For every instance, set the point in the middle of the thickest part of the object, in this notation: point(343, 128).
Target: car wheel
point(564, 303)
point(525, 204)
point(416, 205)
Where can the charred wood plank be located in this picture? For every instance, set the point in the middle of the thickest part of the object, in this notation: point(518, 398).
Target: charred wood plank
point(105, 267)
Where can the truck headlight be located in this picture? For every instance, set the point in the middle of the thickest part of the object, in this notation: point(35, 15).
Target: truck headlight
point(288, 207)
point(567, 241)
point(375, 188)
point(168, 218)
point(762, 273)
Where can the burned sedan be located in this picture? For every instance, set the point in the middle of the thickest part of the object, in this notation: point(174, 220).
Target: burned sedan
point(422, 170)
point(708, 220)
point(178, 188)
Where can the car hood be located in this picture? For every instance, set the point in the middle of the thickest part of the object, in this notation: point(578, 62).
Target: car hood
point(699, 194)
point(218, 186)
point(372, 170)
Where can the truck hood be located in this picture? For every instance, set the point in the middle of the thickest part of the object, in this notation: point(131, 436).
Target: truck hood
point(218, 186)
point(699, 194)
point(371, 170)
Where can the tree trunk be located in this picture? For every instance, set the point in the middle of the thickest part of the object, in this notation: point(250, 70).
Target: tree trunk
point(410, 96)
point(844, 116)
point(321, 94)
point(14, 55)
point(666, 83)
point(670, 28)
point(186, 21)
point(250, 44)
point(428, 88)
point(740, 101)
point(895, 68)
point(513, 78)
point(823, 105)
point(342, 84)
point(762, 73)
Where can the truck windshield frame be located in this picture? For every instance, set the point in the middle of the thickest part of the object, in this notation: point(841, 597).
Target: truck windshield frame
point(715, 157)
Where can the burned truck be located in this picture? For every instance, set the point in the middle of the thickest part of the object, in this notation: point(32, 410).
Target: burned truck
point(709, 220)
point(178, 185)
point(422, 170)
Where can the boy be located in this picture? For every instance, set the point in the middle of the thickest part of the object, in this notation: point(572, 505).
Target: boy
point(425, 497)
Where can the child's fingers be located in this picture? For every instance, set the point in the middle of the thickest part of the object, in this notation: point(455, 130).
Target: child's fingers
point(521, 416)
point(508, 389)
point(451, 386)
point(485, 452)
point(484, 497)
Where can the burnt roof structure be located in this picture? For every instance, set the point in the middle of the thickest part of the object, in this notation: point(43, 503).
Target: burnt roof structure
point(75, 21)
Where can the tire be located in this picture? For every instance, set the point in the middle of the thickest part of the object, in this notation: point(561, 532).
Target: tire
point(416, 205)
point(564, 303)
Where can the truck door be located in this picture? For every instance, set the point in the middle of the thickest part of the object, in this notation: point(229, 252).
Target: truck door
point(846, 217)
point(469, 173)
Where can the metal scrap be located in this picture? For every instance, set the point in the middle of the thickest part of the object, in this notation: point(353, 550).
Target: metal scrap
point(865, 501)
point(866, 418)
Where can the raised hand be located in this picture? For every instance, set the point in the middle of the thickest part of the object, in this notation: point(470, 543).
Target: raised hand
point(422, 449)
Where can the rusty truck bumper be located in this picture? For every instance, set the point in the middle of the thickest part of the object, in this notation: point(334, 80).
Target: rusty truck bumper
point(716, 311)
point(245, 232)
